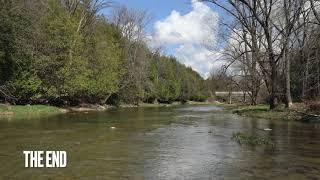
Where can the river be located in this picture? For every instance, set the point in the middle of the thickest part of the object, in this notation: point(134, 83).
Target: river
point(183, 142)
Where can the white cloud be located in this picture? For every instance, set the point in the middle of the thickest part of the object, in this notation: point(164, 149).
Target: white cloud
point(198, 26)
point(200, 59)
point(191, 33)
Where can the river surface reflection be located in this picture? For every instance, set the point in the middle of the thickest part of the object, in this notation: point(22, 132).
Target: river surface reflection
point(184, 142)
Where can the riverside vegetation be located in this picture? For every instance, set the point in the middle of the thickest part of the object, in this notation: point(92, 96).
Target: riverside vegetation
point(263, 111)
point(66, 54)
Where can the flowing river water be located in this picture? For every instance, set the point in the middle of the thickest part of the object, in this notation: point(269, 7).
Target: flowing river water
point(183, 142)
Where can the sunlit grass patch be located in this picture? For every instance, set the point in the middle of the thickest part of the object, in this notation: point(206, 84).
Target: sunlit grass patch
point(28, 109)
point(263, 112)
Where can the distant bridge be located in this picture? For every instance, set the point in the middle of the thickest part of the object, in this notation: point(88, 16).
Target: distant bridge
point(238, 96)
point(233, 93)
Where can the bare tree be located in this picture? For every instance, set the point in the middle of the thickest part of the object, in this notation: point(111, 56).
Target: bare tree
point(274, 37)
point(132, 24)
point(314, 7)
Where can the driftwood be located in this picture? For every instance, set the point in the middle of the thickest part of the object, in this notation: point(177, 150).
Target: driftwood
point(264, 129)
point(6, 113)
point(308, 116)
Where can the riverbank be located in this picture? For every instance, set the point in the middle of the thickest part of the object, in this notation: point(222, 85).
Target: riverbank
point(263, 111)
point(12, 110)
point(257, 111)
point(9, 110)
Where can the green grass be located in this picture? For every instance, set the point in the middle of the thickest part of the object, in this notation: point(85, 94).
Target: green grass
point(175, 103)
point(251, 140)
point(28, 109)
point(263, 111)
point(154, 105)
point(199, 103)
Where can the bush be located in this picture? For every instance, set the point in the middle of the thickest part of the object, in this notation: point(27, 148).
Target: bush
point(313, 106)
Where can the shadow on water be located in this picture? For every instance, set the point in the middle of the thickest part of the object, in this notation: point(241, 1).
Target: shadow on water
point(186, 142)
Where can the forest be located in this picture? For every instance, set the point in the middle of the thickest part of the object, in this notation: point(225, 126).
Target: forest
point(272, 51)
point(67, 53)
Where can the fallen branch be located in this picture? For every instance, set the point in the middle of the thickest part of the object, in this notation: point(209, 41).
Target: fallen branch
point(307, 114)
point(6, 93)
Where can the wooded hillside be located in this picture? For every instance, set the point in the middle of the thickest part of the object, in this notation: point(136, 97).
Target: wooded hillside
point(67, 53)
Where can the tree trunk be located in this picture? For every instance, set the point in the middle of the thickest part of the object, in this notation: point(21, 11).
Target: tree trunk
point(288, 103)
point(254, 97)
point(230, 97)
point(305, 78)
point(255, 75)
point(318, 73)
point(106, 99)
point(273, 102)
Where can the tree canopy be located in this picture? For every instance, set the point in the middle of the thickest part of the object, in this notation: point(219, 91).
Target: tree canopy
point(66, 53)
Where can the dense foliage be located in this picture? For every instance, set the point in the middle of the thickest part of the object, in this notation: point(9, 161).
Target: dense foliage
point(60, 53)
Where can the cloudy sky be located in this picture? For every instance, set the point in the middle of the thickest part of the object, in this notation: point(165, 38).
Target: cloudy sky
point(185, 29)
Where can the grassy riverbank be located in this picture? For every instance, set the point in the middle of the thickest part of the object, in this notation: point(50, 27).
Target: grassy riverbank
point(176, 103)
point(7, 110)
point(12, 110)
point(263, 111)
point(258, 111)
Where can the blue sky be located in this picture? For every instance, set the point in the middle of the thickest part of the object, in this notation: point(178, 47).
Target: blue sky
point(159, 9)
point(183, 28)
